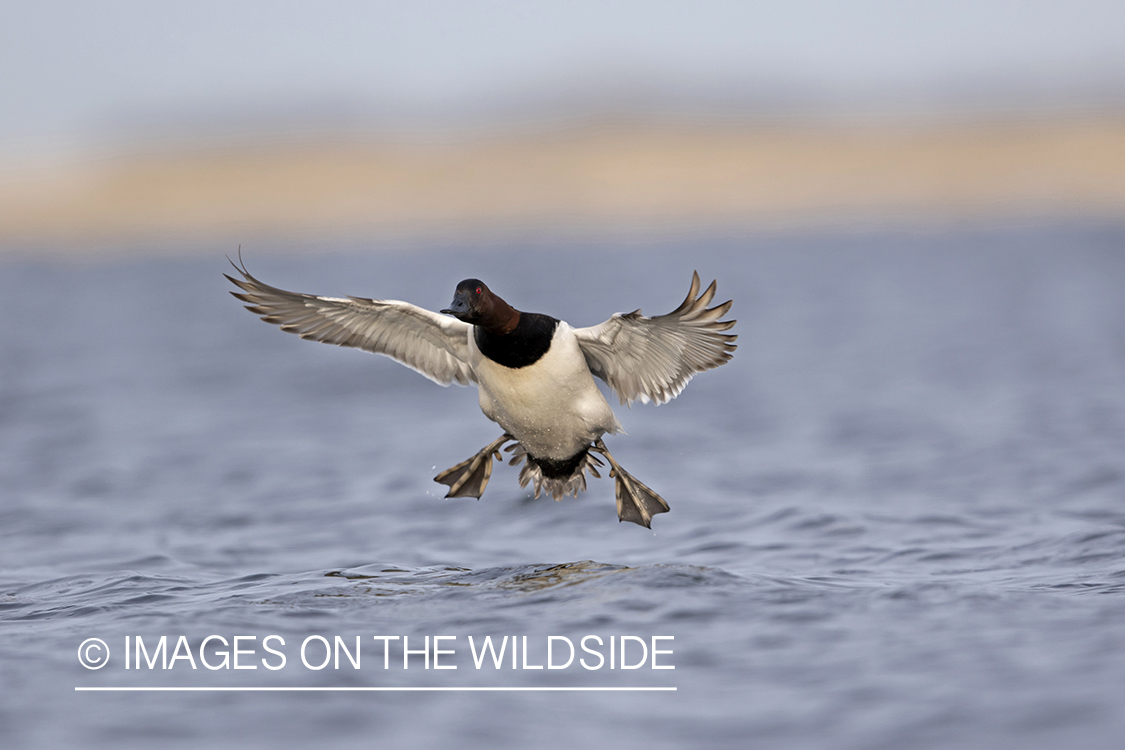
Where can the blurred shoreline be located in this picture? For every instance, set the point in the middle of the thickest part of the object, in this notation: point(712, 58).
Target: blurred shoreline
point(632, 176)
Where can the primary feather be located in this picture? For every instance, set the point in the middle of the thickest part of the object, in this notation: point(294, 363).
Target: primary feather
point(435, 345)
point(652, 359)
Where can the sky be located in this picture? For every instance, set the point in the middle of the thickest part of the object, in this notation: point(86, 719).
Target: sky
point(75, 73)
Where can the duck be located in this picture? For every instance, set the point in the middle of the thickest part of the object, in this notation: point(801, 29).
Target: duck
point(534, 372)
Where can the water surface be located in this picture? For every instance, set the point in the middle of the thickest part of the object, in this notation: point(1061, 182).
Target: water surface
point(898, 516)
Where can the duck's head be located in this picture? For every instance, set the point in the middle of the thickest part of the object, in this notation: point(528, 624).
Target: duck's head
point(473, 302)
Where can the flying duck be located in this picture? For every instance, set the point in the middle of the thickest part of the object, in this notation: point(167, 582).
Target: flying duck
point(535, 373)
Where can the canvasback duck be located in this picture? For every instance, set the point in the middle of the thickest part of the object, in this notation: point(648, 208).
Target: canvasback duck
point(535, 373)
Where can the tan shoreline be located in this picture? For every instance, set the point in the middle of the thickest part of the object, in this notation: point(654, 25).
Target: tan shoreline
point(613, 175)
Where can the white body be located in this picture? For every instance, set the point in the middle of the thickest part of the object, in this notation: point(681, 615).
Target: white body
point(552, 407)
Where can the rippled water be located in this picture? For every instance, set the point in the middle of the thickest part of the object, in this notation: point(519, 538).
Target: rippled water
point(898, 516)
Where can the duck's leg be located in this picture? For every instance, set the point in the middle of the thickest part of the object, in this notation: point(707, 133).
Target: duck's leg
point(469, 478)
point(635, 501)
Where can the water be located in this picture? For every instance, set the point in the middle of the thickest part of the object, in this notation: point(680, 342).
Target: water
point(898, 516)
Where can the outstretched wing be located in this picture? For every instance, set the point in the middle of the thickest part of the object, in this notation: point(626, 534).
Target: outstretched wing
point(653, 358)
point(433, 344)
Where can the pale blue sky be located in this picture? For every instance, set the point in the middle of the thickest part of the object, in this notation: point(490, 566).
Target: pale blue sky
point(74, 71)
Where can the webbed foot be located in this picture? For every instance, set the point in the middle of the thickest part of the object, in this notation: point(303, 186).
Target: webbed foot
point(469, 478)
point(635, 501)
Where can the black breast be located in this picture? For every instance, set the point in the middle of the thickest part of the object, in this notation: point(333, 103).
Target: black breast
point(523, 346)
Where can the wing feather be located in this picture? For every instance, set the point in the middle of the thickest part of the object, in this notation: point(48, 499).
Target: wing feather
point(652, 359)
point(435, 345)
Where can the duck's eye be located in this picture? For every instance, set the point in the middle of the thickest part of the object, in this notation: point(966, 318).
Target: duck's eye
point(478, 290)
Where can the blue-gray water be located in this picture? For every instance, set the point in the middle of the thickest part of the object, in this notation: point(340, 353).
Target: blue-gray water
point(898, 516)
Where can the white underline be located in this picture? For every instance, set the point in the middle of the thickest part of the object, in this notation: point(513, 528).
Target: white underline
point(371, 689)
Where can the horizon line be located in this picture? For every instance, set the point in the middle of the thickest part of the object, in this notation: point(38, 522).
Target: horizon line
point(290, 689)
